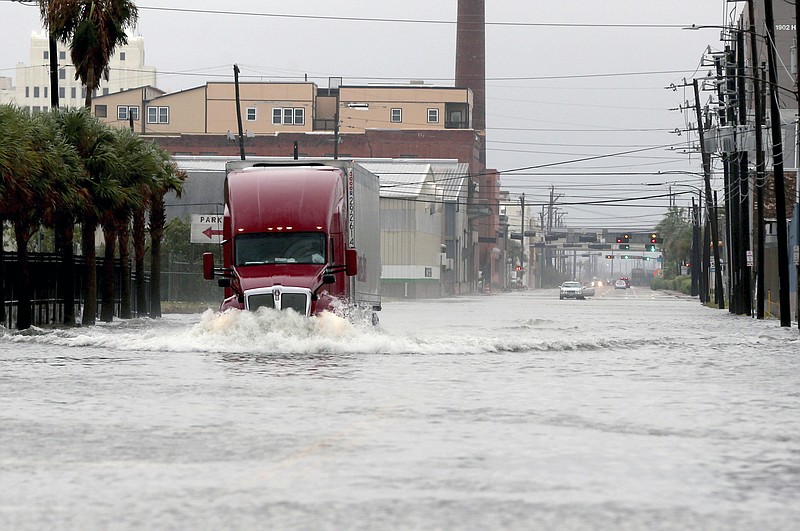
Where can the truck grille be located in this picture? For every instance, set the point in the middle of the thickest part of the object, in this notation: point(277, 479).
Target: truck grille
point(254, 302)
point(297, 299)
point(294, 301)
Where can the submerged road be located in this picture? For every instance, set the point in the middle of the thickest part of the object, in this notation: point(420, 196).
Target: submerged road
point(632, 409)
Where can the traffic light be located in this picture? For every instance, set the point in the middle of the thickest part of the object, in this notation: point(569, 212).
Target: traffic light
point(625, 257)
point(624, 246)
point(650, 247)
point(619, 239)
point(623, 238)
point(609, 257)
point(654, 238)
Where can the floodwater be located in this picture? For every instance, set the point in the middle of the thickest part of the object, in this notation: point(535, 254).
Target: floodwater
point(630, 410)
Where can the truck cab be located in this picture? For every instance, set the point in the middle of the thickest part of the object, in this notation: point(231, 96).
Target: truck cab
point(287, 239)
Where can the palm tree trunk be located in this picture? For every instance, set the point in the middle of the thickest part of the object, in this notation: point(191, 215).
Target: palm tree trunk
point(107, 281)
point(124, 256)
point(138, 258)
point(157, 223)
point(24, 281)
point(90, 286)
point(88, 84)
point(2, 276)
point(66, 283)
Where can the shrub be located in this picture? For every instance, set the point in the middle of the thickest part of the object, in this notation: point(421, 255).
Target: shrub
point(682, 284)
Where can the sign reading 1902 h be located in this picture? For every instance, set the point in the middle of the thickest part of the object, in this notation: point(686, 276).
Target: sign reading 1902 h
point(206, 228)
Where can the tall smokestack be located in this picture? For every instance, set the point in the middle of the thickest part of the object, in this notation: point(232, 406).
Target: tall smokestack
point(471, 59)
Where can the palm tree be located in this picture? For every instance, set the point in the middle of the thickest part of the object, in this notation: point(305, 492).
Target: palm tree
point(39, 172)
point(93, 29)
point(94, 142)
point(64, 198)
point(170, 179)
point(138, 165)
point(19, 167)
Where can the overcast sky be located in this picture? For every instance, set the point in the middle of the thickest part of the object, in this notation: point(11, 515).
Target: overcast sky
point(566, 79)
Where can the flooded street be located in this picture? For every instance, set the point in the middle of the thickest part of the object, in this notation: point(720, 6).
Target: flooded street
point(630, 410)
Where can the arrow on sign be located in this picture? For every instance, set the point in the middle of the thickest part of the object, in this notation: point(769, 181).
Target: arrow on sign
point(209, 232)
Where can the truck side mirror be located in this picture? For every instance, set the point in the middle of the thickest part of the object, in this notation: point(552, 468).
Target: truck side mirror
point(208, 266)
point(351, 262)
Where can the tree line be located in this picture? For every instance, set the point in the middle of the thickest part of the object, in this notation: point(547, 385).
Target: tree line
point(65, 168)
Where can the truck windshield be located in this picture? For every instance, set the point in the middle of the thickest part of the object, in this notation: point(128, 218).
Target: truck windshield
point(280, 248)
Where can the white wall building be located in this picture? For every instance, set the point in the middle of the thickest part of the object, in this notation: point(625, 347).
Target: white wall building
point(32, 88)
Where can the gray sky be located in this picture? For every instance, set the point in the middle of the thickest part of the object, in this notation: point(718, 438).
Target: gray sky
point(552, 96)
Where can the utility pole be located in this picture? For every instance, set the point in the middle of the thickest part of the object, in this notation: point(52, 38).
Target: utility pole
point(522, 242)
point(797, 147)
point(777, 169)
point(730, 172)
point(695, 250)
point(743, 231)
point(336, 128)
point(760, 164)
point(710, 210)
point(238, 110)
point(761, 182)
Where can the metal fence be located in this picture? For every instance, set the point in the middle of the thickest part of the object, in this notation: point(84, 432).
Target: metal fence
point(180, 281)
point(46, 290)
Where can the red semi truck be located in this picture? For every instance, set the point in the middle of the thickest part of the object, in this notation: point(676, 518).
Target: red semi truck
point(300, 235)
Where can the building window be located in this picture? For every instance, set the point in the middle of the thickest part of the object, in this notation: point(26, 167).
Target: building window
point(101, 111)
point(158, 115)
point(288, 115)
point(105, 91)
point(27, 92)
point(73, 92)
point(46, 55)
point(62, 92)
point(35, 92)
point(433, 116)
point(121, 56)
point(62, 73)
point(251, 114)
point(36, 109)
point(62, 56)
point(45, 92)
point(397, 116)
point(125, 112)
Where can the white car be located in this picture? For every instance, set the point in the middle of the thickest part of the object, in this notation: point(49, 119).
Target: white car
point(571, 290)
point(620, 284)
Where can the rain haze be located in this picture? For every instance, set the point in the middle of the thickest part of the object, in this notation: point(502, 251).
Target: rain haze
point(576, 93)
point(350, 355)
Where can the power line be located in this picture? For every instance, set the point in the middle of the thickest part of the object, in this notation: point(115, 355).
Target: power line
point(409, 21)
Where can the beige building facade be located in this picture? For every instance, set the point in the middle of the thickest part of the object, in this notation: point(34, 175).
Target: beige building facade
point(274, 108)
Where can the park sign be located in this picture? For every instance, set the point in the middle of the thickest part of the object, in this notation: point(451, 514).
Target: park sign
point(206, 228)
